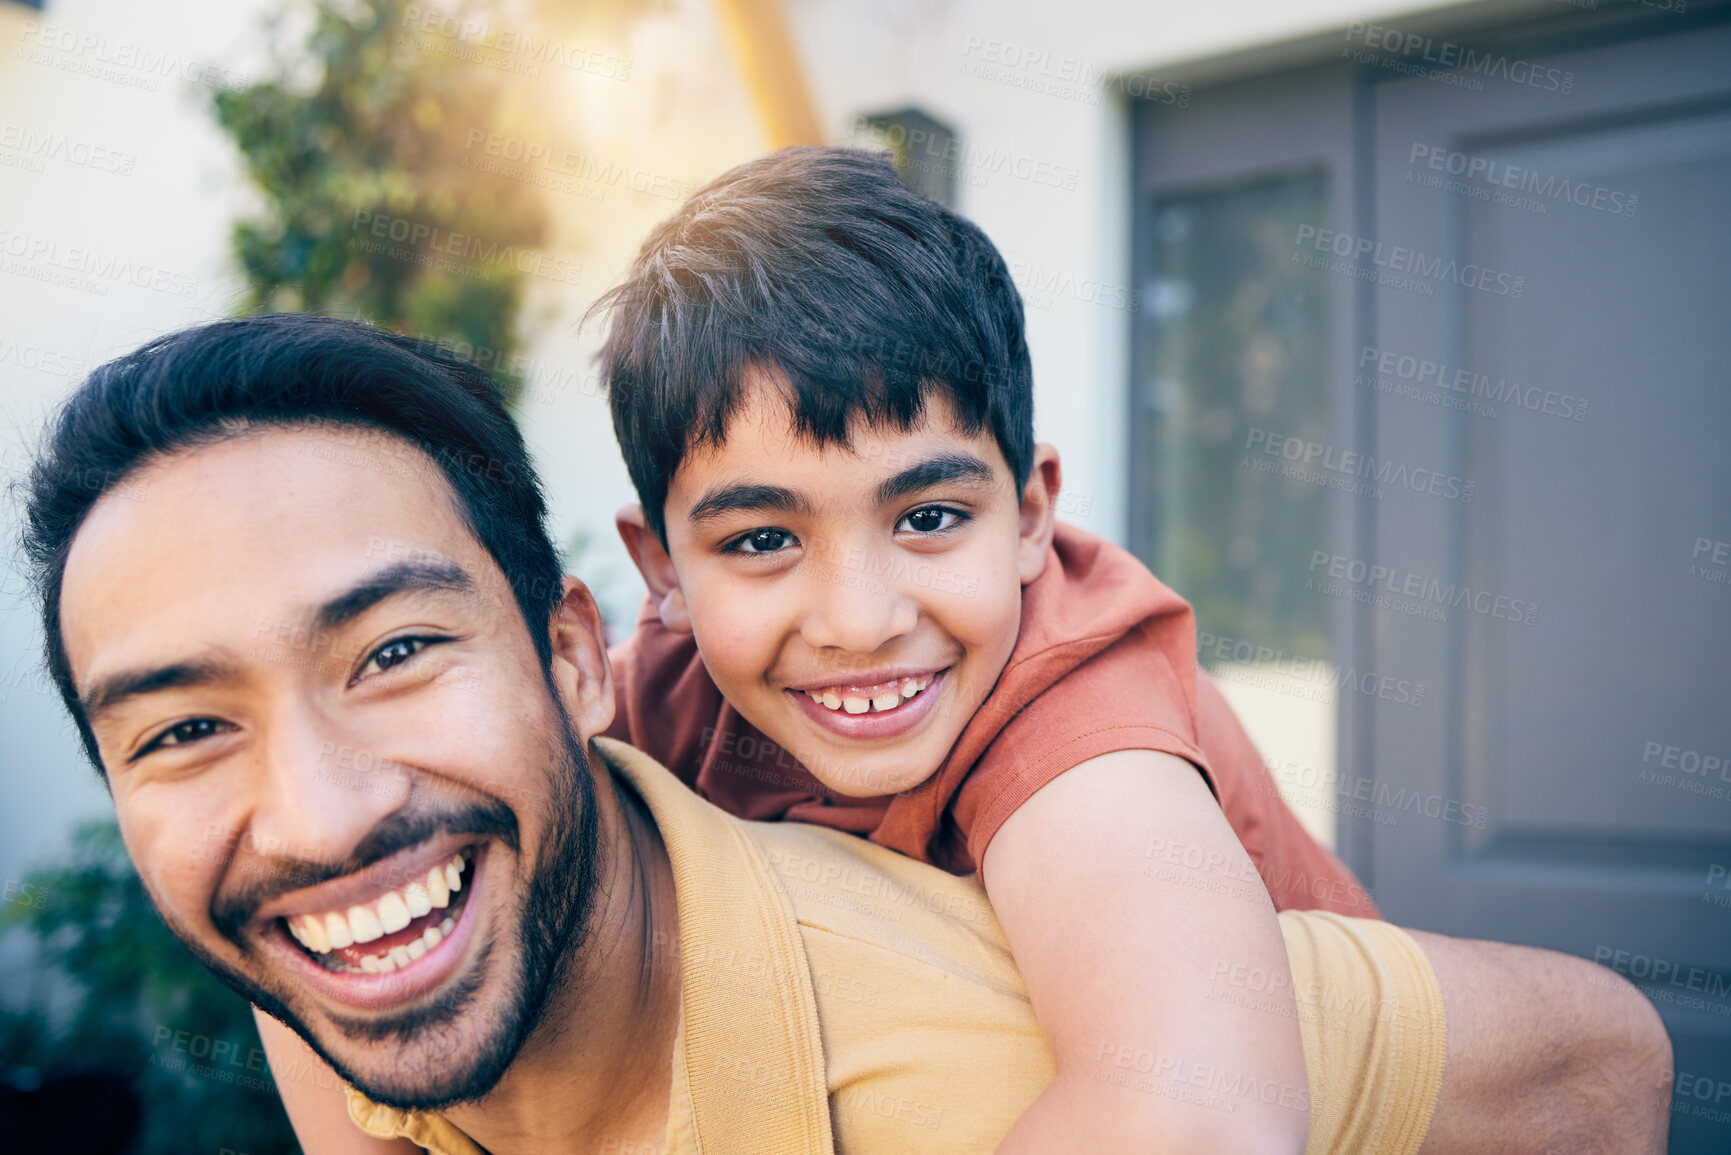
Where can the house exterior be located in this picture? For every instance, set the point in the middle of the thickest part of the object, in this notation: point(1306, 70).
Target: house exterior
point(1392, 336)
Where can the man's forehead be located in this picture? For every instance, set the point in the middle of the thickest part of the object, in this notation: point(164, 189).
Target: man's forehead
point(212, 539)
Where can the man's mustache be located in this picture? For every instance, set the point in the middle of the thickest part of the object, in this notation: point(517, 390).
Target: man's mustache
point(411, 825)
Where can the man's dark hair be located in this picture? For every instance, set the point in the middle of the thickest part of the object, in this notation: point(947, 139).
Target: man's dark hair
point(816, 266)
point(206, 384)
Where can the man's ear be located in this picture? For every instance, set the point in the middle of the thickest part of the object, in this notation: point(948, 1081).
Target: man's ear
point(1039, 500)
point(651, 559)
point(581, 671)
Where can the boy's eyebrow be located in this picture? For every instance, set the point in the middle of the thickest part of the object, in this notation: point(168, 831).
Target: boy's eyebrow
point(747, 498)
point(943, 469)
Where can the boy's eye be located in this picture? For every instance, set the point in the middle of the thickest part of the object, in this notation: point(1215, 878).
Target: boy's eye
point(929, 519)
point(763, 541)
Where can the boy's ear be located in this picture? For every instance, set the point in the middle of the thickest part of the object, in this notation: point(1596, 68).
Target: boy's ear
point(1039, 501)
point(581, 672)
point(651, 559)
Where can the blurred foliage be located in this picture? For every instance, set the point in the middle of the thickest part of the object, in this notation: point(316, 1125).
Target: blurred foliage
point(129, 999)
point(362, 145)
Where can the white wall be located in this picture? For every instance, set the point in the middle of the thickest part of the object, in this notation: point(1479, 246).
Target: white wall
point(155, 192)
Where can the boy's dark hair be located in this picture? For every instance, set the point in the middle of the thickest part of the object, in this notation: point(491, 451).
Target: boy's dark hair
point(206, 384)
point(818, 266)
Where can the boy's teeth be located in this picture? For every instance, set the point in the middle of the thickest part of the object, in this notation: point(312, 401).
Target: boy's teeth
point(389, 913)
point(888, 700)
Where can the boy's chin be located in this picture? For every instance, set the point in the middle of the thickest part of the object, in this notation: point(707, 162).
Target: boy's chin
point(877, 783)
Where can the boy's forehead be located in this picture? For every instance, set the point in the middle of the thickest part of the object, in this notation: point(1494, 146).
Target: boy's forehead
point(762, 438)
point(207, 540)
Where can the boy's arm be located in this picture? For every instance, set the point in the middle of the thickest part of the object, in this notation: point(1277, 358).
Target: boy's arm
point(1129, 904)
point(313, 1096)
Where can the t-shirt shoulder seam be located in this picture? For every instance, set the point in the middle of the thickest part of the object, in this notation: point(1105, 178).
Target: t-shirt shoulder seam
point(962, 972)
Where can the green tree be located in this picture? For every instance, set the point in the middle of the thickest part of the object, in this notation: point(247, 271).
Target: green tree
point(360, 145)
point(139, 1006)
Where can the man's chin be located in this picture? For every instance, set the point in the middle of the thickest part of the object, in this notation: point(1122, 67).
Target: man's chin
point(453, 1048)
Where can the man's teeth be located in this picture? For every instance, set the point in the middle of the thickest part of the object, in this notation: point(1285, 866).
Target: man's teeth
point(888, 700)
point(387, 914)
point(403, 955)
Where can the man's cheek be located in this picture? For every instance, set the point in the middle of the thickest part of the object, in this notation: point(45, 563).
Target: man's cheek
point(180, 850)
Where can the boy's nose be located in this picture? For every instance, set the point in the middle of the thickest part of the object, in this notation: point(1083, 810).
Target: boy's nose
point(848, 608)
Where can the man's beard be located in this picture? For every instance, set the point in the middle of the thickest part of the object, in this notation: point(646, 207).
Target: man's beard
point(452, 1065)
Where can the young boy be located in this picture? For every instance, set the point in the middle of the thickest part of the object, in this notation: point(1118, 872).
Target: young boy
point(862, 614)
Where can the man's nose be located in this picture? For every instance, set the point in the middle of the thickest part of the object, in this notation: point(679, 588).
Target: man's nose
point(319, 793)
point(856, 604)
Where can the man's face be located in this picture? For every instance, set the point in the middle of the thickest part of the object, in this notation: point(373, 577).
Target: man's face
point(336, 758)
point(856, 603)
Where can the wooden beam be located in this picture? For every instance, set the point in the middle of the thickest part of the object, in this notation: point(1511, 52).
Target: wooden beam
point(759, 38)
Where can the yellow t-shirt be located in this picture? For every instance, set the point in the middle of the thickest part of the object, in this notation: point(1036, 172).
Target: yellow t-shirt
point(840, 998)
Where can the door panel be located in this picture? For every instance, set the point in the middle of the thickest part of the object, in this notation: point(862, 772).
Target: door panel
point(1527, 296)
point(1588, 405)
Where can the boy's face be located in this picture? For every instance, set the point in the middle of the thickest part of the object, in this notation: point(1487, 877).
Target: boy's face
point(855, 603)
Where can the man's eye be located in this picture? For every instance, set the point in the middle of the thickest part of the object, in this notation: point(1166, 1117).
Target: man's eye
point(182, 733)
point(763, 541)
point(929, 519)
point(393, 653)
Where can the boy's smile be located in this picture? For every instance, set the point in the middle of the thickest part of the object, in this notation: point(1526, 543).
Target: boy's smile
point(856, 603)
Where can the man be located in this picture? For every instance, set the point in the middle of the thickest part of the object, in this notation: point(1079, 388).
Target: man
point(298, 598)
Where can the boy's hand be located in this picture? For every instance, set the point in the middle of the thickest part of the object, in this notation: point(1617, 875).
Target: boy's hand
point(1130, 907)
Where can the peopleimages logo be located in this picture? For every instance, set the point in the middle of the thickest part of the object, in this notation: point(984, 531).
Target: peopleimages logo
point(1331, 462)
point(1388, 587)
point(1399, 259)
point(1412, 50)
point(1522, 180)
point(1425, 376)
point(464, 254)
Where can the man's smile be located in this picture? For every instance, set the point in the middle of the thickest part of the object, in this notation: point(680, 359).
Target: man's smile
point(384, 935)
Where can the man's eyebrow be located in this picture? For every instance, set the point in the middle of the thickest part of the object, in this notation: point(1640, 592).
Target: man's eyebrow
point(946, 468)
point(399, 578)
point(109, 692)
point(747, 498)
